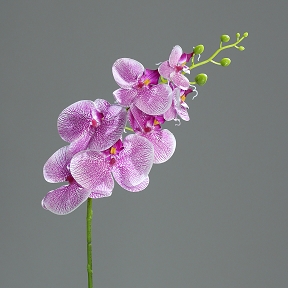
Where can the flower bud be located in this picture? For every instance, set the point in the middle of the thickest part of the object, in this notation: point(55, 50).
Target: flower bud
point(241, 48)
point(199, 49)
point(225, 62)
point(225, 38)
point(201, 79)
point(237, 35)
point(245, 34)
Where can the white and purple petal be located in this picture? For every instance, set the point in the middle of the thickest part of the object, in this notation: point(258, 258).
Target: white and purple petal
point(55, 169)
point(134, 162)
point(92, 171)
point(165, 70)
point(75, 120)
point(154, 100)
point(137, 188)
point(164, 144)
point(175, 56)
point(65, 199)
point(180, 80)
point(125, 96)
point(100, 194)
point(127, 71)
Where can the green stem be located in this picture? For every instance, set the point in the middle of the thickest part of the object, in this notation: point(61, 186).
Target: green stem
point(210, 59)
point(89, 242)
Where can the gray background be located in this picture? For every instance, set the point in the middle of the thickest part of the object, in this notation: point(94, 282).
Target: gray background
point(214, 215)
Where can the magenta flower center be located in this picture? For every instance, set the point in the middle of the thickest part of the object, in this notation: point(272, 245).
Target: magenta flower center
point(94, 123)
point(70, 179)
point(178, 68)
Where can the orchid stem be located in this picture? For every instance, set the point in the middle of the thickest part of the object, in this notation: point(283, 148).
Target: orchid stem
point(89, 242)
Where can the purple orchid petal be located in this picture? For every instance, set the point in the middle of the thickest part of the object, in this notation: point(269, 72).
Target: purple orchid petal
point(180, 80)
point(135, 161)
point(100, 194)
point(102, 105)
point(138, 118)
point(141, 186)
point(164, 144)
point(170, 114)
point(125, 96)
point(183, 113)
point(80, 143)
point(91, 170)
point(55, 169)
point(175, 56)
point(110, 129)
point(127, 71)
point(165, 70)
point(155, 100)
point(65, 199)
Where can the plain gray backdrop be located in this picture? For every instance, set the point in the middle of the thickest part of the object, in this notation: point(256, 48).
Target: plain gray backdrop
point(213, 216)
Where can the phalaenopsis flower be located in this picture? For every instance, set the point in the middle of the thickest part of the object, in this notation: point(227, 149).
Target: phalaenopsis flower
point(139, 86)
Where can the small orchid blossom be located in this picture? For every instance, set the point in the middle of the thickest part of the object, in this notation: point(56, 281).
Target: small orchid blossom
point(179, 106)
point(94, 125)
point(139, 86)
point(67, 198)
point(172, 68)
point(129, 162)
point(149, 127)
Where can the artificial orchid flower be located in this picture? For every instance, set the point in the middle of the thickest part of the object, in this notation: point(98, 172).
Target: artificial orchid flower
point(66, 198)
point(140, 86)
point(129, 162)
point(172, 69)
point(179, 106)
point(91, 125)
point(149, 127)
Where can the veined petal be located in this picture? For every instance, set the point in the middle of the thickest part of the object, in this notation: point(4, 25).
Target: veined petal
point(135, 161)
point(75, 120)
point(55, 169)
point(127, 71)
point(91, 170)
point(138, 118)
point(175, 56)
point(110, 129)
point(183, 113)
point(164, 144)
point(100, 194)
point(65, 199)
point(137, 188)
point(170, 114)
point(125, 96)
point(154, 100)
point(165, 70)
point(180, 80)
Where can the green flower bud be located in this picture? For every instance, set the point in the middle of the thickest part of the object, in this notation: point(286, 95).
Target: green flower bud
point(245, 34)
point(225, 38)
point(237, 35)
point(225, 62)
point(199, 49)
point(241, 48)
point(201, 79)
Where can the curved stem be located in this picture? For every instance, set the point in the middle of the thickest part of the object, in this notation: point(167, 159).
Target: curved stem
point(89, 242)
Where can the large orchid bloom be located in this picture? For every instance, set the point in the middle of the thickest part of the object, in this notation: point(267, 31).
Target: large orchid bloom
point(66, 198)
point(179, 106)
point(172, 69)
point(129, 162)
point(149, 127)
point(139, 86)
point(95, 125)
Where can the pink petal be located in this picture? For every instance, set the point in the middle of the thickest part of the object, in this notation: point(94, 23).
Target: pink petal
point(75, 119)
point(175, 56)
point(170, 114)
point(135, 161)
point(164, 144)
point(110, 129)
point(65, 199)
point(125, 96)
point(154, 100)
point(138, 118)
point(100, 194)
point(141, 186)
point(92, 171)
point(165, 70)
point(183, 113)
point(127, 71)
point(180, 80)
point(55, 169)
